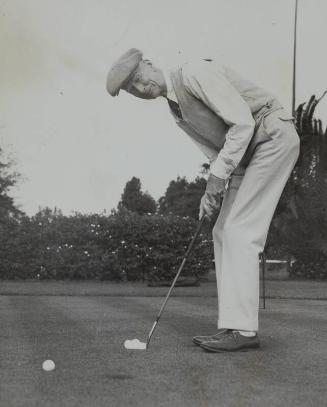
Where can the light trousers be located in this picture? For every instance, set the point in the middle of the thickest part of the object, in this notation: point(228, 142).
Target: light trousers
point(240, 232)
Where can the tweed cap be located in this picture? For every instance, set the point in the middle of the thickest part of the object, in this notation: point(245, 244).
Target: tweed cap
point(122, 70)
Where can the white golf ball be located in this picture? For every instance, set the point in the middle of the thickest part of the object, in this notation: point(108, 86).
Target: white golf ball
point(48, 365)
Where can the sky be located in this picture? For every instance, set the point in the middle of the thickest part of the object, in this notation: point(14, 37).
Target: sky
point(74, 144)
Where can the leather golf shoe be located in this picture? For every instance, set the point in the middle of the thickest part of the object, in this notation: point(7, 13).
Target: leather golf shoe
point(199, 339)
point(231, 341)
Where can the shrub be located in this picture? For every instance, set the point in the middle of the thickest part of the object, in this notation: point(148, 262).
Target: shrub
point(124, 244)
point(300, 222)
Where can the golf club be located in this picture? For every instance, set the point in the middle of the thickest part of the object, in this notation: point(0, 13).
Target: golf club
point(137, 344)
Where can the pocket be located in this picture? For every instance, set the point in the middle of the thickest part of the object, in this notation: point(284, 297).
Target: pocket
point(285, 116)
point(266, 126)
point(273, 122)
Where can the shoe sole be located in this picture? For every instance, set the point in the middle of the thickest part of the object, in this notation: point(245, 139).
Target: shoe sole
point(198, 343)
point(245, 349)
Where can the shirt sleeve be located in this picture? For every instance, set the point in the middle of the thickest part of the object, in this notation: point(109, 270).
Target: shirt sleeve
point(211, 86)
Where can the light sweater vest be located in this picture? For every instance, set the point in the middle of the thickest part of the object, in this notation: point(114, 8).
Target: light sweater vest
point(207, 128)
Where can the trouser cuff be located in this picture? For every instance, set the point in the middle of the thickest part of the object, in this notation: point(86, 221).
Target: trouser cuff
point(238, 325)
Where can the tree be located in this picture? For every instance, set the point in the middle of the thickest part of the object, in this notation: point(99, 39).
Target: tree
point(8, 179)
point(135, 200)
point(300, 221)
point(304, 117)
point(183, 197)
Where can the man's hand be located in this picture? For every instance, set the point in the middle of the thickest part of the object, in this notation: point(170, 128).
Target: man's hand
point(215, 186)
point(211, 200)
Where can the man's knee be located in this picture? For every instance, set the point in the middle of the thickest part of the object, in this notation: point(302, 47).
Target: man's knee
point(295, 145)
point(231, 228)
point(236, 232)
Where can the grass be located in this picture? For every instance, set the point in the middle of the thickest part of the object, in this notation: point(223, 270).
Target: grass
point(289, 289)
point(84, 332)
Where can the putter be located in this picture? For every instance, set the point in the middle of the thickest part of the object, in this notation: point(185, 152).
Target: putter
point(137, 344)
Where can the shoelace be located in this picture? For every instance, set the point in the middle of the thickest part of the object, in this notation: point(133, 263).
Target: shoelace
point(229, 332)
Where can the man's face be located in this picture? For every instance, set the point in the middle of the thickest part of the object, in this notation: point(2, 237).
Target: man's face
point(147, 82)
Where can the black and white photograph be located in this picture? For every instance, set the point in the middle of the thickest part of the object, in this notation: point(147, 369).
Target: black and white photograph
point(163, 203)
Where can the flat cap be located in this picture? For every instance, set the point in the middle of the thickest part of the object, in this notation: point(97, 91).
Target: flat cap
point(122, 70)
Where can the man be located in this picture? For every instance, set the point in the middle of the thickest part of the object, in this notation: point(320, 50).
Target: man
point(252, 147)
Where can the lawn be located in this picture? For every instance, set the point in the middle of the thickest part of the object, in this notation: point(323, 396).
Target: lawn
point(84, 334)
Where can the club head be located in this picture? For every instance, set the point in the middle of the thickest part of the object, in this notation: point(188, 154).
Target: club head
point(135, 344)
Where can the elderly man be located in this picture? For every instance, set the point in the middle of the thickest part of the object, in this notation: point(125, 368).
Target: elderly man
point(252, 147)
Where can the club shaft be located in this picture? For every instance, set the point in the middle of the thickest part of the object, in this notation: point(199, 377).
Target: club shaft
point(151, 332)
point(176, 277)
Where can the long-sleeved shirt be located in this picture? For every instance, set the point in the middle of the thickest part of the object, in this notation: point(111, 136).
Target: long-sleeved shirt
point(209, 83)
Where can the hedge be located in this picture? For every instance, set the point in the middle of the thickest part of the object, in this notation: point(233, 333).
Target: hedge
point(115, 247)
point(123, 245)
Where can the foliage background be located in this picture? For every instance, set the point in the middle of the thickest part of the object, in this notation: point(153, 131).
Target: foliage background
point(123, 245)
point(299, 228)
point(146, 240)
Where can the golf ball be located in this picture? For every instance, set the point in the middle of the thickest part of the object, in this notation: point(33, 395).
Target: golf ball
point(48, 365)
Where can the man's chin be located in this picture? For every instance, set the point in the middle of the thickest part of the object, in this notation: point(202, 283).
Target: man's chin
point(155, 91)
point(147, 97)
point(152, 95)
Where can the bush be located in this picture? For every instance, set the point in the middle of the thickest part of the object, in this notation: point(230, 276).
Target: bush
point(18, 254)
point(300, 221)
point(124, 244)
